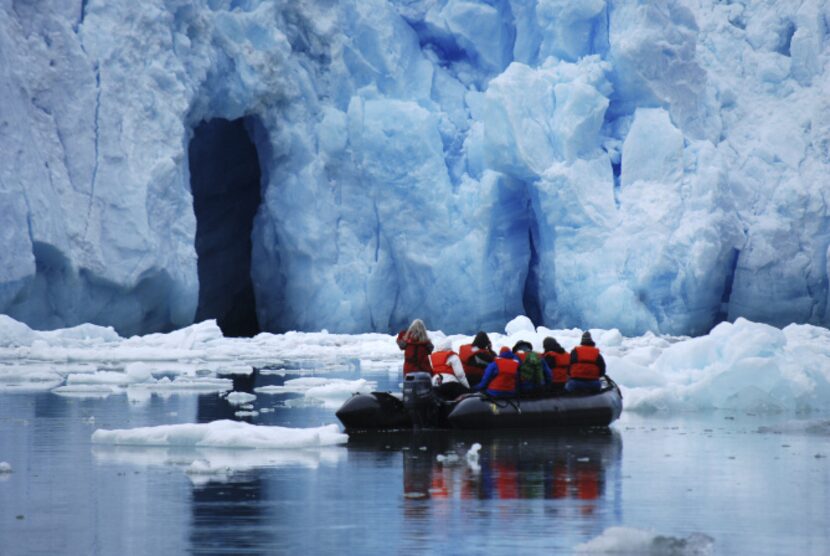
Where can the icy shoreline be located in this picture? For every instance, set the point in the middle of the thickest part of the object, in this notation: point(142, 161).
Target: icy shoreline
point(741, 365)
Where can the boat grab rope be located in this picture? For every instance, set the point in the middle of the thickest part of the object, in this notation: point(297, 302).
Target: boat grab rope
point(501, 403)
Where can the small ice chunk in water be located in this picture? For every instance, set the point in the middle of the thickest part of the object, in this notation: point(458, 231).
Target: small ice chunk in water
point(448, 459)
point(5, 467)
point(240, 398)
point(472, 457)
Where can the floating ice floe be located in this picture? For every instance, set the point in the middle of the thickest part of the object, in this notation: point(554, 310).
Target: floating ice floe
point(819, 427)
point(222, 434)
point(204, 465)
point(5, 467)
point(627, 540)
point(738, 366)
point(330, 391)
point(240, 398)
point(215, 451)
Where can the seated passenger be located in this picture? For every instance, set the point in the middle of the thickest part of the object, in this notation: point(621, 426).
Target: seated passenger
point(558, 360)
point(500, 376)
point(521, 347)
point(534, 372)
point(416, 348)
point(447, 372)
point(586, 367)
point(476, 356)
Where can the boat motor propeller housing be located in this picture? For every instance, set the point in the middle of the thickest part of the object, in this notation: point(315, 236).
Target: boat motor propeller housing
point(419, 399)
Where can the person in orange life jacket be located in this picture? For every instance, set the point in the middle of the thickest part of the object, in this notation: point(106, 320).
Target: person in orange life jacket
point(416, 348)
point(558, 360)
point(586, 368)
point(539, 383)
point(476, 356)
point(447, 372)
point(501, 376)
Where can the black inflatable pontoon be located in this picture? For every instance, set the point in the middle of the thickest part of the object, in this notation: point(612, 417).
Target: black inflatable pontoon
point(421, 407)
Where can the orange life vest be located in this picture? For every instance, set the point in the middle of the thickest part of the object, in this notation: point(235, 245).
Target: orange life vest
point(558, 363)
point(586, 366)
point(505, 380)
point(464, 353)
point(439, 362)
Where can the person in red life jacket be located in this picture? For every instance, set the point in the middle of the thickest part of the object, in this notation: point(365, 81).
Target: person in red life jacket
point(447, 372)
point(534, 373)
point(476, 356)
point(558, 360)
point(501, 376)
point(586, 368)
point(520, 348)
point(416, 348)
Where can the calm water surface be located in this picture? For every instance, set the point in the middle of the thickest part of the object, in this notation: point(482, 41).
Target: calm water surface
point(715, 474)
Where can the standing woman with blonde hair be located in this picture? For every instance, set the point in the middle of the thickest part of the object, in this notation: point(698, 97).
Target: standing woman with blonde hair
point(416, 348)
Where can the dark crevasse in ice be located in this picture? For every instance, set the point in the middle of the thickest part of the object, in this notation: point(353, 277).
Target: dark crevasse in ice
point(729, 280)
point(530, 295)
point(225, 181)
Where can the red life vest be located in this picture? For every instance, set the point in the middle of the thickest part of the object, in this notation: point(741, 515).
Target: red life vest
point(474, 372)
point(439, 362)
point(586, 366)
point(415, 355)
point(558, 363)
point(521, 355)
point(505, 380)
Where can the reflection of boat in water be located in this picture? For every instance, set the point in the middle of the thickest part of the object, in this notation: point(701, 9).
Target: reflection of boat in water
point(556, 465)
point(421, 407)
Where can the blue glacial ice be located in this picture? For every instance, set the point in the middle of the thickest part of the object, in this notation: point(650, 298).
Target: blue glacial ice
point(610, 164)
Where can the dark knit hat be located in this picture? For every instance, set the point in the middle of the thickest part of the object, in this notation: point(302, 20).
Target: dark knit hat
point(586, 339)
point(550, 344)
point(523, 345)
point(481, 341)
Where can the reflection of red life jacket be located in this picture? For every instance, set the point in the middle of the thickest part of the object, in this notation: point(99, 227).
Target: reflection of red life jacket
point(439, 487)
point(559, 481)
point(439, 362)
point(587, 483)
point(415, 355)
point(505, 380)
point(507, 481)
point(558, 363)
point(586, 363)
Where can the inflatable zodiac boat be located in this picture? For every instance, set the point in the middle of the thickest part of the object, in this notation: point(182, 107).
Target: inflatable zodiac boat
point(421, 407)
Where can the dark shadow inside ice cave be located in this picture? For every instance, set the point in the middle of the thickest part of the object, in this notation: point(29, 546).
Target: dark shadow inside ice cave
point(225, 180)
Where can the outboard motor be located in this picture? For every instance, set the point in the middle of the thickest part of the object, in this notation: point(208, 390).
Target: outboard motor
point(419, 399)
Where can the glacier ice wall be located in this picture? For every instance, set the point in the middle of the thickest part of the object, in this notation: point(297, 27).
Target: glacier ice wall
point(605, 163)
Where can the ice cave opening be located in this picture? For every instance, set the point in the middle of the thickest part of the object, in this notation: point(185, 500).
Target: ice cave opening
point(225, 180)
